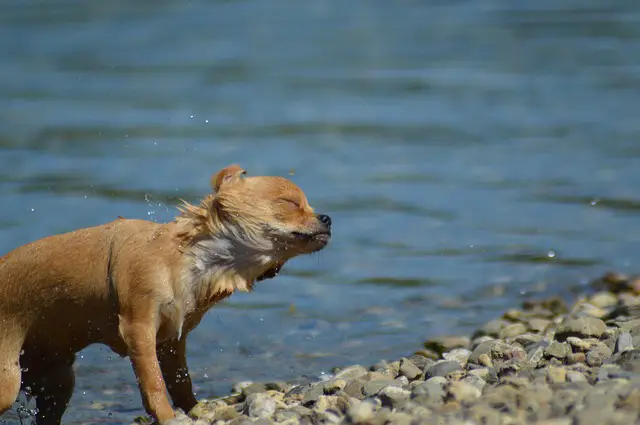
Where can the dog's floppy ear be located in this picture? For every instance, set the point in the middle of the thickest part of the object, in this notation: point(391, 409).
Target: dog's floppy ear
point(227, 175)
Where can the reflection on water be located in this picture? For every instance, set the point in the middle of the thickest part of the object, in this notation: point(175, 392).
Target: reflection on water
point(455, 145)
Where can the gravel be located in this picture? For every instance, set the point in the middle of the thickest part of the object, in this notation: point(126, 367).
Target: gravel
point(546, 363)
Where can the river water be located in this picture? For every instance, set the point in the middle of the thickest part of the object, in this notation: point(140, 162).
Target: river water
point(470, 153)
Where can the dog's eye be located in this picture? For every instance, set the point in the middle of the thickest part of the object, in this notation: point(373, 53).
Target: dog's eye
point(291, 202)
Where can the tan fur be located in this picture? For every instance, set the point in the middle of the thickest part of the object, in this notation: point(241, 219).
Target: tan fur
point(140, 287)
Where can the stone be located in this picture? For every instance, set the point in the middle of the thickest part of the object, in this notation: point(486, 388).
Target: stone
point(432, 389)
point(332, 386)
point(624, 342)
point(361, 413)
point(392, 397)
point(538, 325)
point(354, 388)
point(444, 344)
point(260, 405)
point(351, 372)
point(475, 381)
point(372, 388)
point(504, 352)
point(556, 349)
point(461, 355)
point(535, 352)
point(442, 368)
point(482, 348)
point(597, 355)
point(603, 299)
point(574, 358)
point(485, 360)
point(463, 392)
point(492, 328)
point(581, 327)
point(556, 375)
point(575, 376)
point(630, 360)
point(528, 339)
point(579, 344)
point(512, 330)
point(409, 369)
point(312, 394)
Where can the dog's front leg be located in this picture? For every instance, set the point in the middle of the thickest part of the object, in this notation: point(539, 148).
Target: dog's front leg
point(140, 337)
point(173, 362)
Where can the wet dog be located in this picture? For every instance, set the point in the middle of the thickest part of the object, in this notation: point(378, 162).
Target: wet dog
point(140, 287)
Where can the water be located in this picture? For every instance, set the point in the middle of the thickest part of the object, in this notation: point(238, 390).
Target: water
point(470, 153)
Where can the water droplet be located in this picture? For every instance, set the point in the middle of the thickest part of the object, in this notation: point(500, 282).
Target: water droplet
point(594, 202)
point(206, 121)
point(33, 209)
point(551, 253)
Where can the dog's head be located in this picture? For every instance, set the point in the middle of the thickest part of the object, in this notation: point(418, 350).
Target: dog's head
point(273, 211)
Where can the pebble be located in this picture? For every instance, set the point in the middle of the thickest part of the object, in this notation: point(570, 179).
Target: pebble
point(409, 369)
point(442, 368)
point(581, 327)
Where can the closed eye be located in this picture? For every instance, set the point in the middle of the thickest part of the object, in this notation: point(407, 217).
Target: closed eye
point(291, 202)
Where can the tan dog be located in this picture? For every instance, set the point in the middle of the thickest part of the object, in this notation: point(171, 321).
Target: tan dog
point(140, 287)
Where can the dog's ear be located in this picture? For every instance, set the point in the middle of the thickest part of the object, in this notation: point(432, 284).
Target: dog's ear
point(227, 175)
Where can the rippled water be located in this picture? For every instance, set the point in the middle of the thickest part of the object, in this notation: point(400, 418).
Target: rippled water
point(471, 153)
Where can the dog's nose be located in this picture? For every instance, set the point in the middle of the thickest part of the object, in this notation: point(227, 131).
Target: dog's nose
point(325, 219)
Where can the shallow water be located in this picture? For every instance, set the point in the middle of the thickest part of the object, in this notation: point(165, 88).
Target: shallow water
point(470, 154)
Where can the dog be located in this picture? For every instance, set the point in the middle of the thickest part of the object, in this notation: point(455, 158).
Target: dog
point(140, 287)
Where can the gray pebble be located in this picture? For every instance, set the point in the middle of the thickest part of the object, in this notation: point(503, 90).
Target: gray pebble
point(409, 369)
point(482, 348)
point(351, 372)
point(392, 397)
point(581, 327)
point(372, 388)
point(442, 368)
point(260, 405)
point(624, 342)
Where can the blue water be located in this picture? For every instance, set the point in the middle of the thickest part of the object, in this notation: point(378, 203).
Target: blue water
point(470, 153)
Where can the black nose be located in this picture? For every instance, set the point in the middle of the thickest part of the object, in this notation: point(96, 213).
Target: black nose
point(325, 219)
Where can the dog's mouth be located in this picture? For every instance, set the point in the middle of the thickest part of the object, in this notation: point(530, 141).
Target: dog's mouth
point(322, 237)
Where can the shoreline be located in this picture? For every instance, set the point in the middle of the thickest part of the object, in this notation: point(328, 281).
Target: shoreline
point(545, 362)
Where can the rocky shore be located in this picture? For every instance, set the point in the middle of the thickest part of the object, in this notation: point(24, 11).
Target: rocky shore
point(545, 363)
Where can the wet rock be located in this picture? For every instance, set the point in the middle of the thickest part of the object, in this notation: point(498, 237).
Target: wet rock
point(461, 355)
point(579, 344)
point(355, 388)
point(512, 330)
point(442, 368)
point(556, 375)
point(575, 376)
point(630, 360)
point(485, 360)
point(603, 299)
point(431, 390)
point(372, 388)
point(574, 358)
point(502, 351)
point(492, 328)
point(556, 349)
point(361, 413)
point(332, 386)
point(597, 355)
point(312, 393)
point(393, 397)
point(538, 325)
point(463, 392)
point(409, 369)
point(260, 405)
point(420, 362)
point(351, 372)
point(624, 342)
point(581, 327)
point(535, 352)
point(444, 344)
point(482, 348)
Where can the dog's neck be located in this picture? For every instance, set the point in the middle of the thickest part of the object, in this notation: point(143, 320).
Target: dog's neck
point(231, 260)
point(220, 257)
